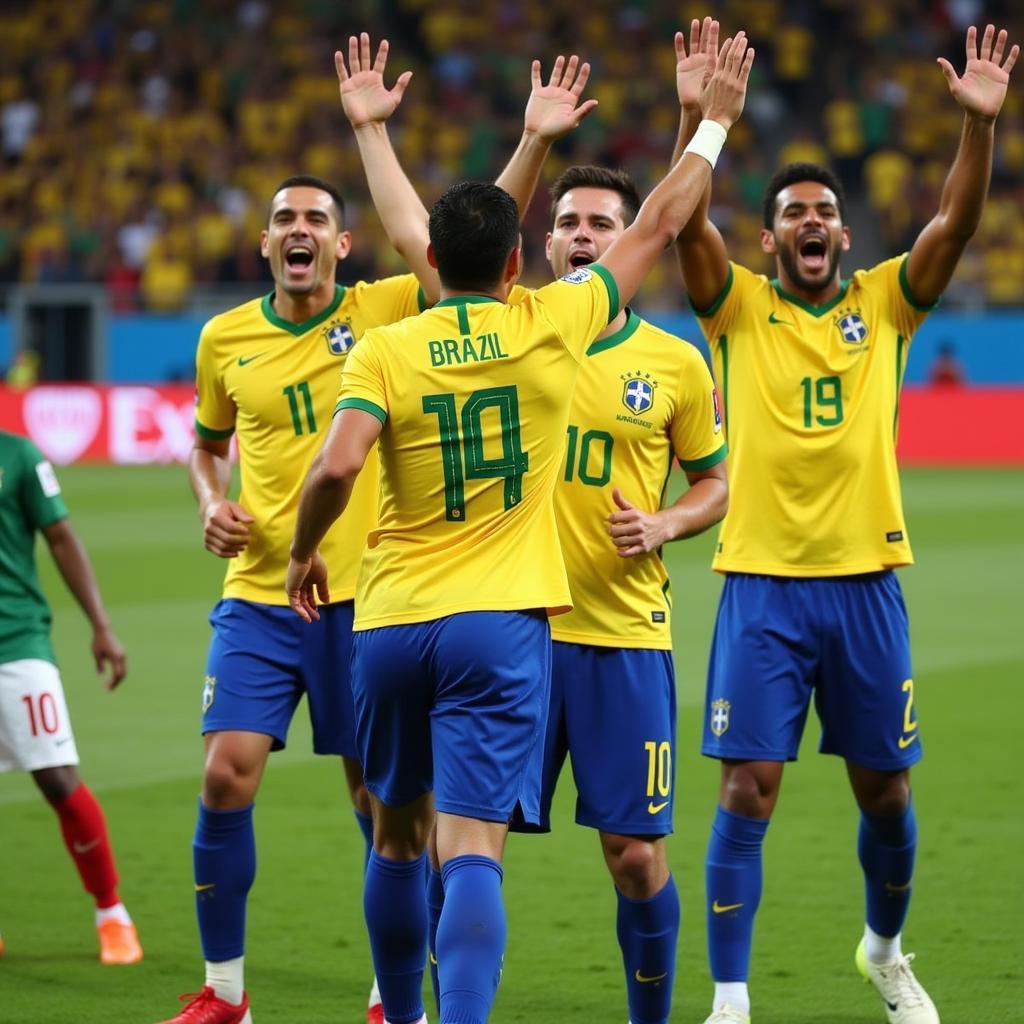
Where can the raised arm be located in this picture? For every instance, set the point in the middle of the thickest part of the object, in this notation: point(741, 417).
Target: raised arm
point(980, 92)
point(553, 110)
point(672, 202)
point(700, 249)
point(368, 105)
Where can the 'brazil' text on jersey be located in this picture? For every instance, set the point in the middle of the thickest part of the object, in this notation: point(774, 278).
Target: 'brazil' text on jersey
point(641, 397)
point(275, 383)
point(811, 396)
point(474, 398)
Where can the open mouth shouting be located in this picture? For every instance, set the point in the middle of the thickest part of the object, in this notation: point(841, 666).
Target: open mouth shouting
point(298, 258)
point(813, 252)
point(581, 258)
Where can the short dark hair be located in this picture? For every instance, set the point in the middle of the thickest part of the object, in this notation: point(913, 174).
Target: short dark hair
point(473, 228)
point(589, 176)
point(790, 175)
point(312, 181)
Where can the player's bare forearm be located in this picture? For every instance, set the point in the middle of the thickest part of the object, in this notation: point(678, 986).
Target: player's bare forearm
point(940, 245)
point(702, 506)
point(76, 570)
point(209, 473)
point(325, 496)
point(398, 205)
point(522, 172)
point(980, 92)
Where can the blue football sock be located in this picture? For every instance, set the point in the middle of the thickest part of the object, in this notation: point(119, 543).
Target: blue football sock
point(733, 881)
point(435, 903)
point(470, 939)
point(647, 931)
point(224, 862)
point(396, 918)
point(886, 847)
point(365, 824)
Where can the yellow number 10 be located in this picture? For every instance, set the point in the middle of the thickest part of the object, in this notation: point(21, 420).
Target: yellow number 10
point(659, 767)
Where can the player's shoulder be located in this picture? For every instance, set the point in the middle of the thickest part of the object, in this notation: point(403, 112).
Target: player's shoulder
point(740, 282)
point(17, 446)
point(671, 346)
point(226, 324)
point(887, 271)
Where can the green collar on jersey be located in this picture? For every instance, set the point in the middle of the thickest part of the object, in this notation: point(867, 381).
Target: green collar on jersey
point(624, 333)
point(267, 308)
point(458, 300)
point(807, 307)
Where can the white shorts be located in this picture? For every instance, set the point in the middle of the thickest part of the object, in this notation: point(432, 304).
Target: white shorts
point(35, 728)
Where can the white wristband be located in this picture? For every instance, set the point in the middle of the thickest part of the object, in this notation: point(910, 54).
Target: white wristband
point(707, 141)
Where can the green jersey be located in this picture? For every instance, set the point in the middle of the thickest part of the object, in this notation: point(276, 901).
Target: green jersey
point(29, 500)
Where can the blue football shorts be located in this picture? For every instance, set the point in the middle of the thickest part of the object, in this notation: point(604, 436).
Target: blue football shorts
point(263, 658)
point(844, 639)
point(456, 705)
point(613, 711)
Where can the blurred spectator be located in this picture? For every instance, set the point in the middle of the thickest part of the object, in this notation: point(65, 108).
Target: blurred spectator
point(946, 370)
point(24, 371)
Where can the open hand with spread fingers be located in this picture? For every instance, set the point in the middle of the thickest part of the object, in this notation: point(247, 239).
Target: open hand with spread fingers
point(554, 109)
point(691, 68)
point(364, 98)
point(725, 88)
point(986, 76)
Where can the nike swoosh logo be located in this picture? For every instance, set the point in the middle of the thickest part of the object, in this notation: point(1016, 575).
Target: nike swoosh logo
point(654, 977)
point(773, 319)
point(433, 959)
point(892, 1006)
point(203, 888)
point(897, 888)
point(86, 847)
point(242, 361)
point(717, 907)
point(653, 808)
point(905, 741)
point(60, 743)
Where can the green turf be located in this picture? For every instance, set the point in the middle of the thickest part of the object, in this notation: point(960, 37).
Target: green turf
point(307, 957)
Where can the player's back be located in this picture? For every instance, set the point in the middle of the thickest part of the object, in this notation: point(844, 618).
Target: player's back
point(474, 396)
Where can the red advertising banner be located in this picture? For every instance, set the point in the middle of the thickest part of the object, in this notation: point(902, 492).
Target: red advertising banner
point(135, 424)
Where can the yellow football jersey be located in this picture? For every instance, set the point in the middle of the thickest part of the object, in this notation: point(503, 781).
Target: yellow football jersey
point(474, 399)
point(641, 397)
point(275, 383)
point(811, 403)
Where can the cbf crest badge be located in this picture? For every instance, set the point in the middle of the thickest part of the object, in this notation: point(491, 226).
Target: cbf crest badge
point(638, 392)
point(720, 716)
point(852, 328)
point(339, 338)
point(209, 685)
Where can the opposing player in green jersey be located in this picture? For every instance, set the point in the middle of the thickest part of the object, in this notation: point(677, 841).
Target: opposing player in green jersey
point(35, 730)
point(810, 367)
point(268, 371)
point(470, 402)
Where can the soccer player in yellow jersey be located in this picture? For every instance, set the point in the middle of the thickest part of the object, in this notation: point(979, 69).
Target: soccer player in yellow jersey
point(809, 367)
point(642, 397)
point(268, 371)
point(470, 402)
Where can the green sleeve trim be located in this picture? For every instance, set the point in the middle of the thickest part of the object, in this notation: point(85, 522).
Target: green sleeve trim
point(905, 288)
point(613, 289)
point(696, 465)
point(719, 299)
point(421, 299)
point(361, 403)
point(213, 435)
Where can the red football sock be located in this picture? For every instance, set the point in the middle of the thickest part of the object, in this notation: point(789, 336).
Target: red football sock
point(85, 835)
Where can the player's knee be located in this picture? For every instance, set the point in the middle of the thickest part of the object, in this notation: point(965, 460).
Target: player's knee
point(57, 784)
point(887, 798)
point(748, 792)
point(226, 784)
point(637, 865)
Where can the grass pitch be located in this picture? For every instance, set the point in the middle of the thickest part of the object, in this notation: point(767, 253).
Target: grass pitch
point(307, 957)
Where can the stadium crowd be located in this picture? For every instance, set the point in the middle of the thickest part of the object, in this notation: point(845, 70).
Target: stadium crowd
point(140, 139)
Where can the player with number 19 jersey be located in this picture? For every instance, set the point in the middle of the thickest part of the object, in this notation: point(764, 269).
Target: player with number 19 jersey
point(811, 397)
